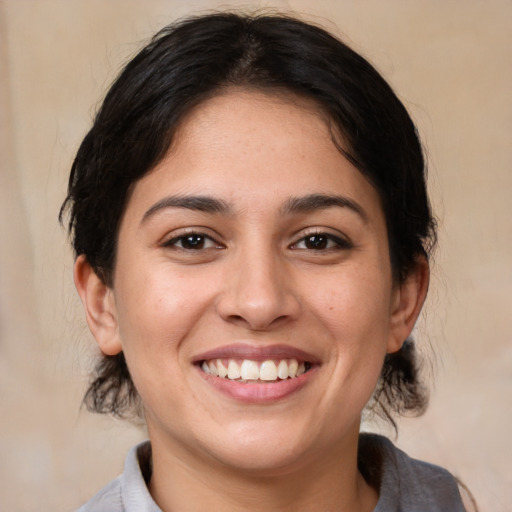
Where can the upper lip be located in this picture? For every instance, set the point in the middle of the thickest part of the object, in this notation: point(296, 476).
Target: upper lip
point(256, 353)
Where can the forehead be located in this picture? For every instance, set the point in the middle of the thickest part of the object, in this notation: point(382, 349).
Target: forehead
point(258, 119)
point(232, 99)
point(244, 143)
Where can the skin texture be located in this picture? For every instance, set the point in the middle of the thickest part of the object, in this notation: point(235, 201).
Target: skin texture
point(253, 282)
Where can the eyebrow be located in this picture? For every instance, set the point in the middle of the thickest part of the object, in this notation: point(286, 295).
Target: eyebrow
point(302, 204)
point(311, 202)
point(205, 204)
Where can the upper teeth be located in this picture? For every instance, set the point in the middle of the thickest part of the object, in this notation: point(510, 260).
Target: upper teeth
point(253, 370)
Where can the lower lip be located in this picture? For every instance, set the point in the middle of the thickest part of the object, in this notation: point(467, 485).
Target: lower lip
point(258, 392)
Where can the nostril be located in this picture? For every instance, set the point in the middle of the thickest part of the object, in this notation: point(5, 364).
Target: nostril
point(236, 318)
point(258, 324)
point(280, 319)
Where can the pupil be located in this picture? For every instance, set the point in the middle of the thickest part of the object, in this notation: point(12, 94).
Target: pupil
point(316, 242)
point(193, 242)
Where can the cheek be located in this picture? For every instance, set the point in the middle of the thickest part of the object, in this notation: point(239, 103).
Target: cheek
point(157, 313)
point(157, 308)
point(356, 315)
point(356, 306)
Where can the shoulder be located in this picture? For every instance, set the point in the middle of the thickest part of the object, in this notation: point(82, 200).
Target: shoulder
point(405, 483)
point(128, 492)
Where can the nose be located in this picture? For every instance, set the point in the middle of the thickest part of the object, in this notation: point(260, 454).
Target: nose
point(259, 292)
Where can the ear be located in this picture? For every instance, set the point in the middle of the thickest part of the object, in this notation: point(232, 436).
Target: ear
point(99, 305)
point(408, 299)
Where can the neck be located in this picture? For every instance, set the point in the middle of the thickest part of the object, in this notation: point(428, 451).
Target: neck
point(181, 482)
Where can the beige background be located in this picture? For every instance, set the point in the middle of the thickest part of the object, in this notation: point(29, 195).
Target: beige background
point(451, 62)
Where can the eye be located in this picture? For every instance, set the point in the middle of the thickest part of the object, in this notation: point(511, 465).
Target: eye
point(321, 242)
point(192, 242)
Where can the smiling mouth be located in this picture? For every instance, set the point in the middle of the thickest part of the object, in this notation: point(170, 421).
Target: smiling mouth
point(250, 371)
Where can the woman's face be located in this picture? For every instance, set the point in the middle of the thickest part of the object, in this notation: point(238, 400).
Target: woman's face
point(254, 248)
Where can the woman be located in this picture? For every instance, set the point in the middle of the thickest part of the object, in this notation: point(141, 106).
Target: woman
point(251, 228)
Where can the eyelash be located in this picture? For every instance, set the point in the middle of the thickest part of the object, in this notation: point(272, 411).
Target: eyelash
point(173, 242)
point(324, 242)
point(336, 242)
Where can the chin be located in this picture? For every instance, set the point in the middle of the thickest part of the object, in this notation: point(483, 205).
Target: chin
point(265, 461)
point(268, 450)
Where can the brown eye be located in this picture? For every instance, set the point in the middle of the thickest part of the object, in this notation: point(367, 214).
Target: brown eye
point(322, 242)
point(316, 242)
point(192, 242)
